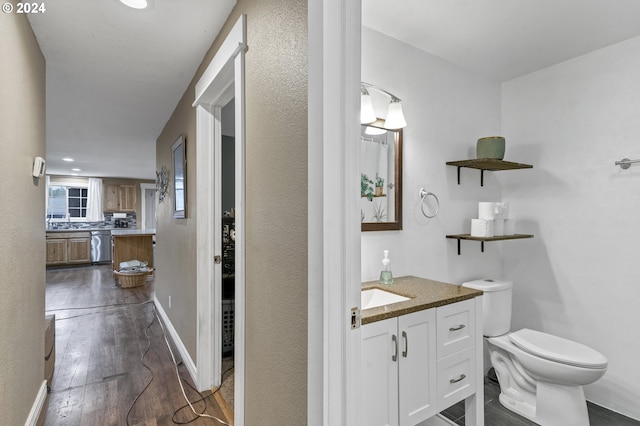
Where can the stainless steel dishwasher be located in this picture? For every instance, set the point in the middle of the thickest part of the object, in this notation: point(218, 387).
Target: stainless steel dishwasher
point(101, 246)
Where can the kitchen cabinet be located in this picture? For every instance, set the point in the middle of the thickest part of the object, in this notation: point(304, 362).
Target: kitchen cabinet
point(418, 364)
point(119, 198)
point(398, 370)
point(132, 245)
point(56, 251)
point(64, 248)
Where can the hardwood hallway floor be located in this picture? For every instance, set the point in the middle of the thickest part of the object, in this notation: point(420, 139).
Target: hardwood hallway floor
point(112, 364)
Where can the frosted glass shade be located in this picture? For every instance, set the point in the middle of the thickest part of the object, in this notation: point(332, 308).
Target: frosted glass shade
point(367, 114)
point(395, 117)
point(374, 131)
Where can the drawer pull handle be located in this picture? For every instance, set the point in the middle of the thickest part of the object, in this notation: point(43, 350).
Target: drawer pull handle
point(458, 379)
point(406, 344)
point(460, 327)
point(394, 357)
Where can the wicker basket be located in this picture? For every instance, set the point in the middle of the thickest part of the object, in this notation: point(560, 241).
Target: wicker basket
point(131, 279)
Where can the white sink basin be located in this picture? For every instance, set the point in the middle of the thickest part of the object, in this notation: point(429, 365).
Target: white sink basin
point(375, 297)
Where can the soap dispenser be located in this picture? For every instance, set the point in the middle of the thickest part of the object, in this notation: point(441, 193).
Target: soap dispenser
point(385, 274)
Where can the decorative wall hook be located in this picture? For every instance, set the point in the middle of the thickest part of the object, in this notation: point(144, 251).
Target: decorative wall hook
point(162, 183)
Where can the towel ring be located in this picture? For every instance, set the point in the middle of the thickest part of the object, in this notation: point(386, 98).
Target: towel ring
point(423, 196)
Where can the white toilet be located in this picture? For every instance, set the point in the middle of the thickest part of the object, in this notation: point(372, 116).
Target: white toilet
point(541, 375)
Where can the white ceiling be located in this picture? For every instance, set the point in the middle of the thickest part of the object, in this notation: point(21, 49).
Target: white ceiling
point(504, 39)
point(115, 75)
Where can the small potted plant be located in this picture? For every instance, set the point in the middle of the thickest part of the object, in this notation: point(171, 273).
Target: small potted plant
point(365, 187)
point(379, 186)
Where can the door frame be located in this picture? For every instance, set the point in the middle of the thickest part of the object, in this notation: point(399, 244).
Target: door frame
point(334, 214)
point(222, 80)
point(143, 202)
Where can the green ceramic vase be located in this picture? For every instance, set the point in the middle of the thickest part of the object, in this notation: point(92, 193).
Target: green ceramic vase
point(490, 147)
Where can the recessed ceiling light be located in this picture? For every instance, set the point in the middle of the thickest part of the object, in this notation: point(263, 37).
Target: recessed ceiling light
point(74, 174)
point(67, 159)
point(135, 4)
point(76, 170)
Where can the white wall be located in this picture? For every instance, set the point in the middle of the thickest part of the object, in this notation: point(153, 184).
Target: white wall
point(578, 278)
point(447, 110)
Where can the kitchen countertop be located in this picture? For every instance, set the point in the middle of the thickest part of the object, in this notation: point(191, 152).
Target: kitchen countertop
point(424, 294)
point(132, 232)
point(114, 231)
point(79, 229)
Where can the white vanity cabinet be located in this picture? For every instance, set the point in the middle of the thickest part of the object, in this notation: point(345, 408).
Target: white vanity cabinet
point(416, 365)
point(398, 370)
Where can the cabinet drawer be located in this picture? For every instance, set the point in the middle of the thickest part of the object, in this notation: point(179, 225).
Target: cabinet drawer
point(456, 377)
point(456, 327)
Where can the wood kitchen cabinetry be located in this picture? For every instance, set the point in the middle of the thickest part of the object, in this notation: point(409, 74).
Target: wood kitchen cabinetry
point(119, 198)
point(65, 248)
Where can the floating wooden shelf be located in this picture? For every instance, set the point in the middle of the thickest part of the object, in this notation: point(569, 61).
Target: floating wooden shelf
point(483, 239)
point(490, 164)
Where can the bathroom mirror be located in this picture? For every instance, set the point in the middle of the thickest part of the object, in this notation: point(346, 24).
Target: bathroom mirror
point(380, 178)
point(179, 178)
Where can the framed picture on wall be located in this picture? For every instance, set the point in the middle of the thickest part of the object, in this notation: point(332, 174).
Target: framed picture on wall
point(178, 152)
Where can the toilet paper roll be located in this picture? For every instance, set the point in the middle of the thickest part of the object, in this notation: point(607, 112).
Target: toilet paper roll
point(498, 227)
point(509, 226)
point(501, 210)
point(486, 210)
point(481, 228)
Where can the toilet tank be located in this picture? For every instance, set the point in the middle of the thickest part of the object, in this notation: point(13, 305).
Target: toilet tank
point(496, 305)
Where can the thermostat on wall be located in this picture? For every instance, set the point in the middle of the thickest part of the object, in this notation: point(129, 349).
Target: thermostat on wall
point(38, 167)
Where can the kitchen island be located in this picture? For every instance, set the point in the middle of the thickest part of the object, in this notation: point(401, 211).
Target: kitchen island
point(132, 244)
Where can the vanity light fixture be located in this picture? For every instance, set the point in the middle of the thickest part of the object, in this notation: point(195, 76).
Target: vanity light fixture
point(394, 118)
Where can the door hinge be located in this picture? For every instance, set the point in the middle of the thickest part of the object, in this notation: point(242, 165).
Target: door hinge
point(217, 259)
point(355, 318)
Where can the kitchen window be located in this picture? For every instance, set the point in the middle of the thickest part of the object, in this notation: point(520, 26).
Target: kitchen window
point(66, 203)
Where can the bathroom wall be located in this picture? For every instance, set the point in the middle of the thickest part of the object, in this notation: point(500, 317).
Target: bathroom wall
point(447, 109)
point(578, 278)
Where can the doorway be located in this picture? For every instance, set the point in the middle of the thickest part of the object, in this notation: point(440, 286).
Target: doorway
point(148, 206)
point(222, 81)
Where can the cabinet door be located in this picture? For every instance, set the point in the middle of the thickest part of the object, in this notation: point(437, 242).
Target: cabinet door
point(127, 197)
point(417, 367)
point(379, 374)
point(56, 251)
point(79, 250)
point(111, 198)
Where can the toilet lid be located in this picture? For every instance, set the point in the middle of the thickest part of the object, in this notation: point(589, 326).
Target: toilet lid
point(557, 349)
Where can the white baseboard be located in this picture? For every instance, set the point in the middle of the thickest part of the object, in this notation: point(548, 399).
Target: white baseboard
point(175, 338)
point(36, 408)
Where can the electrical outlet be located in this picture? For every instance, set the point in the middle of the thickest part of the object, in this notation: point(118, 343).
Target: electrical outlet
point(169, 302)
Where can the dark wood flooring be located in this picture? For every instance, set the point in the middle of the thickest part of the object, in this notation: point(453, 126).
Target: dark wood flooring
point(112, 365)
point(495, 414)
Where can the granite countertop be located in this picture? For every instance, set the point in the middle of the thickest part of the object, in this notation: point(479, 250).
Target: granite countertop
point(80, 229)
point(132, 232)
point(424, 294)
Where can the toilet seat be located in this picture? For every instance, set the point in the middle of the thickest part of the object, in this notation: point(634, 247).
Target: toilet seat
point(557, 349)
